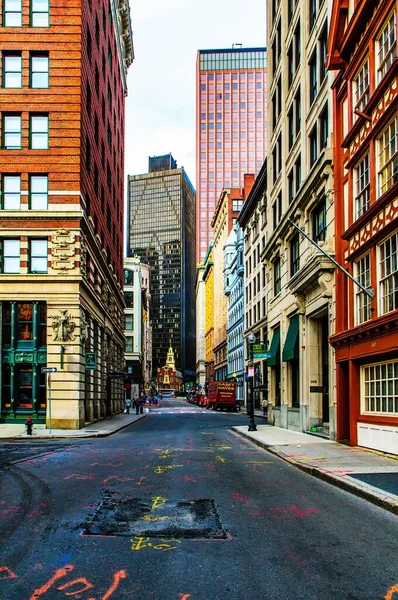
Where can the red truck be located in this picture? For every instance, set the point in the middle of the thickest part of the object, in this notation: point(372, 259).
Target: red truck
point(222, 394)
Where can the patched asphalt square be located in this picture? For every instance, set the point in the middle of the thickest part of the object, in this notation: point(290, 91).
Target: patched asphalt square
point(188, 519)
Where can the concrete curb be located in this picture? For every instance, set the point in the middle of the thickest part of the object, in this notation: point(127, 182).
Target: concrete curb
point(362, 490)
point(71, 436)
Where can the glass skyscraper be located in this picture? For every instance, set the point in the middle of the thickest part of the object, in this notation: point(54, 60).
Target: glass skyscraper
point(161, 231)
point(231, 127)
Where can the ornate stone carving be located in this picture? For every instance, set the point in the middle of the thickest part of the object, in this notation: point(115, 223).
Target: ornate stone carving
point(325, 281)
point(83, 256)
point(105, 294)
point(63, 250)
point(112, 305)
point(300, 303)
point(63, 327)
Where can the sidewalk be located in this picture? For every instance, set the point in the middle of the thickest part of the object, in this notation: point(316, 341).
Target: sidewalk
point(102, 428)
point(366, 473)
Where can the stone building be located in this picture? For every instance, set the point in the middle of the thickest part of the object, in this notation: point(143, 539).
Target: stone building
point(61, 215)
point(299, 279)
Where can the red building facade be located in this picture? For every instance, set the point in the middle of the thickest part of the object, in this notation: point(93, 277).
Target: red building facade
point(362, 50)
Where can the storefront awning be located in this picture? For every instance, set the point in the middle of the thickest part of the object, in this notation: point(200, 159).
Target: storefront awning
point(291, 348)
point(274, 352)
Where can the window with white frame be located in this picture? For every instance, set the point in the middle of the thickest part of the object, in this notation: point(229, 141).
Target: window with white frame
point(39, 70)
point(362, 187)
point(386, 46)
point(388, 157)
point(129, 343)
point(38, 192)
point(38, 256)
point(388, 285)
point(11, 256)
point(380, 388)
point(12, 13)
point(361, 87)
point(11, 192)
point(129, 322)
point(363, 302)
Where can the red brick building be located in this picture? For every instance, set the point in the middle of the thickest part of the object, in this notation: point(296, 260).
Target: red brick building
point(168, 378)
point(363, 52)
point(61, 215)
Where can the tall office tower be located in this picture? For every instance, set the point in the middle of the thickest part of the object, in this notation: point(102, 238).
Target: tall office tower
point(231, 127)
point(61, 212)
point(161, 231)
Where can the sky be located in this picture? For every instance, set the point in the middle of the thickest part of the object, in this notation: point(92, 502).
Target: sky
point(160, 107)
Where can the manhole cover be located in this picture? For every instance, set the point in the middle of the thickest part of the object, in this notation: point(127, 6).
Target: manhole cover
point(157, 517)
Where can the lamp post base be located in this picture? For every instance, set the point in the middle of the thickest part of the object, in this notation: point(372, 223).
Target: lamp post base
point(252, 426)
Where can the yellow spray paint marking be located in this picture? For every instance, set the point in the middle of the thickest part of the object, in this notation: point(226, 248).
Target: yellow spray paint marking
point(259, 462)
point(158, 501)
point(221, 446)
point(163, 469)
point(139, 543)
point(220, 458)
point(153, 519)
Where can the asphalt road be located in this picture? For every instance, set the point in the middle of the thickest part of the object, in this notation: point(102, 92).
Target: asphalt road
point(178, 507)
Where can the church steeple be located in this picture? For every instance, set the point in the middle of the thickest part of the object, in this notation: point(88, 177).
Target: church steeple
point(170, 362)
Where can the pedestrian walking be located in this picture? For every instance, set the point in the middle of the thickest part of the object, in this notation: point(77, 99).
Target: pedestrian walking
point(264, 405)
point(136, 405)
point(127, 406)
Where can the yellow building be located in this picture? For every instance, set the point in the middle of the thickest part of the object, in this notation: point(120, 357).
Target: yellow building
point(208, 278)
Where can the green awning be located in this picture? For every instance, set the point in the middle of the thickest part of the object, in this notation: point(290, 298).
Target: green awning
point(274, 351)
point(291, 348)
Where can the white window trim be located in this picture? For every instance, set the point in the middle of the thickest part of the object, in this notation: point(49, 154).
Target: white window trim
point(380, 65)
point(390, 160)
point(362, 300)
point(363, 390)
point(360, 193)
point(379, 276)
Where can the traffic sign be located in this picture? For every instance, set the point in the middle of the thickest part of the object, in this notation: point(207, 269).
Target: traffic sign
point(49, 369)
point(261, 354)
point(250, 372)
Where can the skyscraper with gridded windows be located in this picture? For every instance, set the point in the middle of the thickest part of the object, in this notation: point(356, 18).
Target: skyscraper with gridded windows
point(231, 127)
point(161, 231)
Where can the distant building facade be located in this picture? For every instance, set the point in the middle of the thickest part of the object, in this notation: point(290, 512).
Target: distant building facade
point(234, 290)
point(200, 328)
point(168, 377)
point(133, 325)
point(231, 126)
point(146, 325)
point(363, 54)
point(61, 209)
point(161, 231)
point(208, 278)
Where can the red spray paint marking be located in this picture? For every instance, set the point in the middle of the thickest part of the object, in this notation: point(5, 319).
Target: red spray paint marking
point(80, 477)
point(116, 580)
point(58, 575)
point(122, 479)
point(38, 511)
point(391, 592)
point(188, 478)
point(184, 596)
point(292, 512)
point(240, 498)
point(6, 573)
point(87, 586)
point(141, 480)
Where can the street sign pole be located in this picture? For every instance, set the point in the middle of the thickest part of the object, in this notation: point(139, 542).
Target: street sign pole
point(49, 399)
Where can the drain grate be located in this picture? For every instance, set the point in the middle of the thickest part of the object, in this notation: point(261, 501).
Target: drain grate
point(156, 517)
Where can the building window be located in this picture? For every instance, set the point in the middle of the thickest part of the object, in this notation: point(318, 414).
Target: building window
point(323, 128)
point(129, 343)
point(237, 205)
point(277, 276)
point(312, 13)
point(290, 185)
point(40, 13)
point(39, 134)
point(313, 77)
point(12, 70)
point(361, 88)
point(297, 45)
point(12, 13)
point(290, 127)
point(386, 46)
point(363, 300)
point(389, 274)
point(129, 322)
point(129, 299)
point(297, 109)
point(128, 277)
point(38, 256)
point(38, 192)
point(290, 65)
point(297, 166)
point(313, 139)
point(319, 222)
point(294, 255)
point(388, 157)
point(11, 192)
point(380, 388)
point(12, 132)
point(39, 71)
point(277, 210)
point(11, 256)
point(362, 187)
point(323, 43)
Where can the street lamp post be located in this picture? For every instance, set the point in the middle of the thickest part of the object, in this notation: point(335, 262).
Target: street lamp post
point(251, 339)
